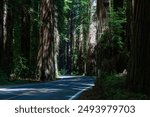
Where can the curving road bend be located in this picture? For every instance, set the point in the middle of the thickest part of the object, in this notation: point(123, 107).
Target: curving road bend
point(66, 88)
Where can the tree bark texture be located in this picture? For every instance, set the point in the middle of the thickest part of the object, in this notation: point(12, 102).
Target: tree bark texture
point(139, 68)
point(46, 60)
point(7, 36)
point(1, 31)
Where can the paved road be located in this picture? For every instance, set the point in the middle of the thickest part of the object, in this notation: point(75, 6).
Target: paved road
point(67, 88)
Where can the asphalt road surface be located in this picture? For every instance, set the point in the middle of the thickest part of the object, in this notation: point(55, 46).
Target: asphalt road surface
point(67, 88)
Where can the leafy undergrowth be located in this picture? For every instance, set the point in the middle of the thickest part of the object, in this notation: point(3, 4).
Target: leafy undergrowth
point(16, 81)
point(6, 81)
point(113, 88)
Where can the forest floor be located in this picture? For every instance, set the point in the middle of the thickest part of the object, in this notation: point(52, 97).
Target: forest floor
point(15, 81)
point(114, 88)
point(4, 80)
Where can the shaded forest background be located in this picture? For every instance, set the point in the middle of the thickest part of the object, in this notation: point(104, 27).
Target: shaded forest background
point(109, 39)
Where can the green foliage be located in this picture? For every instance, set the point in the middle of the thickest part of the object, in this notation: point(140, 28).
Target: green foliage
point(74, 73)
point(67, 5)
point(21, 68)
point(75, 19)
point(62, 72)
point(112, 43)
point(4, 80)
point(112, 36)
point(116, 21)
point(114, 87)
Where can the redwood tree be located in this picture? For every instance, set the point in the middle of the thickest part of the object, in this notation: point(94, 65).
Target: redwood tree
point(46, 60)
point(1, 29)
point(101, 17)
point(139, 68)
point(7, 36)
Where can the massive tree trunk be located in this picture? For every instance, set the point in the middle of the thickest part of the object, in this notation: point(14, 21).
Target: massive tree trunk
point(102, 6)
point(46, 60)
point(91, 39)
point(70, 43)
point(25, 30)
point(1, 31)
point(139, 69)
point(101, 16)
point(8, 36)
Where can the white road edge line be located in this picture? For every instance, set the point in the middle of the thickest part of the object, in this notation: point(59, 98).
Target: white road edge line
point(75, 96)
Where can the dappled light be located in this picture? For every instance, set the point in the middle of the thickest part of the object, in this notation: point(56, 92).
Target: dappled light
point(60, 89)
point(43, 90)
point(60, 49)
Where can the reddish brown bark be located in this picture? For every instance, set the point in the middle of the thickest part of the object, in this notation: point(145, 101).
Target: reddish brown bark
point(46, 62)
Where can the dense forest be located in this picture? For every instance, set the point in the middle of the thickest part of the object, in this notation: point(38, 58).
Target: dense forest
point(107, 39)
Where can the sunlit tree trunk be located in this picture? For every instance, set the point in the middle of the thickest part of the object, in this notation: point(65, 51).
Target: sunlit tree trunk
point(56, 37)
point(46, 60)
point(91, 39)
point(1, 31)
point(139, 68)
point(7, 36)
point(80, 50)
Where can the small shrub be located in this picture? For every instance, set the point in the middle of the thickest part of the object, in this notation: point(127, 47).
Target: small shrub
point(63, 72)
point(21, 68)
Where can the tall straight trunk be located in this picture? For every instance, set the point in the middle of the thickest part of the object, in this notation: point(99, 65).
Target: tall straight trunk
point(71, 28)
point(80, 60)
point(62, 54)
point(46, 60)
point(1, 31)
point(25, 31)
point(99, 18)
point(56, 38)
point(91, 40)
point(8, 36)
point(139, 68)
point(101, 24)
point(99, 32)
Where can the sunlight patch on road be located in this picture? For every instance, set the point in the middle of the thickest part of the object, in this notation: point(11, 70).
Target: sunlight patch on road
point(65, 77)
point(28, 89)
point(19, 89)
point(30, 92)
